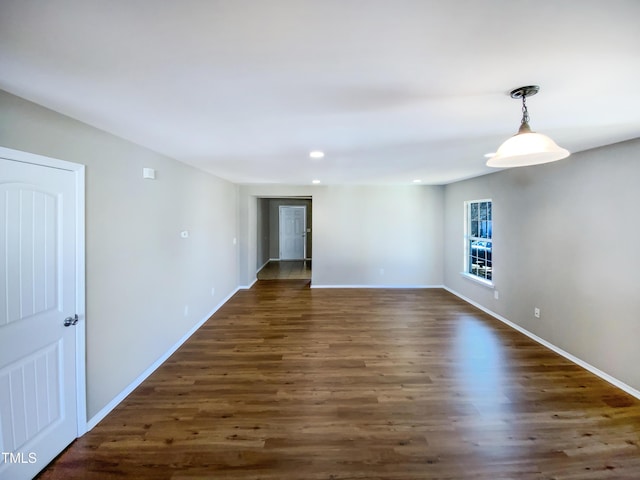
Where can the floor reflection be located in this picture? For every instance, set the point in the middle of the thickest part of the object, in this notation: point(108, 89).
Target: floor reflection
point(481, 378)
point(480, 366)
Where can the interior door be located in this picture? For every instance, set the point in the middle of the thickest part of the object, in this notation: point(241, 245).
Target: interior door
point(292, 232)
point(38, 241)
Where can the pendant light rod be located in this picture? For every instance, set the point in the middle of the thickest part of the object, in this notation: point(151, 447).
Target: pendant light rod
point(523, 93)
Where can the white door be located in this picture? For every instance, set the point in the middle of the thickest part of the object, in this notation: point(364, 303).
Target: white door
point(38, 386)
point(293, 227)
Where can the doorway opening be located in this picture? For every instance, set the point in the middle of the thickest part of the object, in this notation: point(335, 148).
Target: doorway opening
point(285, 240)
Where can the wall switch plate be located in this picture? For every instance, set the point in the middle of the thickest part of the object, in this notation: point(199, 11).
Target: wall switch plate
point(496, 295)
point(149, 173)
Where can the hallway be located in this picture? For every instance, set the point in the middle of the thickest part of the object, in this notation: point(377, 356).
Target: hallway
point(286, 270)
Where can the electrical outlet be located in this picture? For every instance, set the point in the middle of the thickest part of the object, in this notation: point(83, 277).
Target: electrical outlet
point(536, 312)
point(213, 292)
point(496, 295)
point(186, 310)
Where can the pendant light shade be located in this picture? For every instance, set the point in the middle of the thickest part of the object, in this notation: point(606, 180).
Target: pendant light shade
point(526, 147)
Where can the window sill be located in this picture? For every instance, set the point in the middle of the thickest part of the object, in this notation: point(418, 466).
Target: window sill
point(481, 281)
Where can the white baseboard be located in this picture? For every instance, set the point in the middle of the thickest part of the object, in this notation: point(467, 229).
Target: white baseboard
point(247, 287)
point(264, 265)
point(587, 366)
point(407, 287)
point(93, 421)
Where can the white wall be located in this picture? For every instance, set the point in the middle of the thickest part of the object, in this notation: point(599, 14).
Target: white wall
point(566, 240)
point(140, 274)
point(357, 231)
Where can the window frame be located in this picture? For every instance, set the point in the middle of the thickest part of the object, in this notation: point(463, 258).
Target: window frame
point(468, 238)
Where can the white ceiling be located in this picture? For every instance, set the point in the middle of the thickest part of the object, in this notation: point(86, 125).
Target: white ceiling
point(391, 90)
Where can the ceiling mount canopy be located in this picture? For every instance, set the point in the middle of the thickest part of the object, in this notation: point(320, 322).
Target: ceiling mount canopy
point(526, 147)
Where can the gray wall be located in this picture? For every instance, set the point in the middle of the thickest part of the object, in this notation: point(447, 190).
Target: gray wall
point(566, 241)
point(263, 228)
point(378, 236)
point(140, 273)
point(359, 231)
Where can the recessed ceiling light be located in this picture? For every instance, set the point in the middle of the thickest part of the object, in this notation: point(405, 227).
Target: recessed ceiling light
point(316, 154)
point(315, 181)
point(417, 180)
point(489, 155)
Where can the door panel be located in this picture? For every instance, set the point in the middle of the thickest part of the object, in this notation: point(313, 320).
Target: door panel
point(30, 252)
point(38, 408)
point(30, 396)
point(292, 232)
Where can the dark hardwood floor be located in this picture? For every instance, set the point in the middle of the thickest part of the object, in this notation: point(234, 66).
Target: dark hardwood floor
point(286, 270)
point(286, 382)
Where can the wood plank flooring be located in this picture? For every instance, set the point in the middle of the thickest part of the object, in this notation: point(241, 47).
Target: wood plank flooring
point(287, 382)
point(286, 270)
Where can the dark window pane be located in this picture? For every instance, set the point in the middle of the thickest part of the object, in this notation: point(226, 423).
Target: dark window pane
point(474, 211)
point(483, 211)
point(474, 228)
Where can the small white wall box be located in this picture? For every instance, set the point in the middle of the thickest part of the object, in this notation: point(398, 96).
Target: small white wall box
point(149, 173)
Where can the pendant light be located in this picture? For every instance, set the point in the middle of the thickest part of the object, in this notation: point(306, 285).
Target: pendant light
point(526, 147)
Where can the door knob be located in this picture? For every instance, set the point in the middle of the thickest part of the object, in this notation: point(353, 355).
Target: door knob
point(71, 320)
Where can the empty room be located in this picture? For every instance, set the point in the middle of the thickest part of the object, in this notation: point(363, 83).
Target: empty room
point(319, 239)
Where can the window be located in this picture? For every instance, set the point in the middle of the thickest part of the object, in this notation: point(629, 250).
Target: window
point(477, 240)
